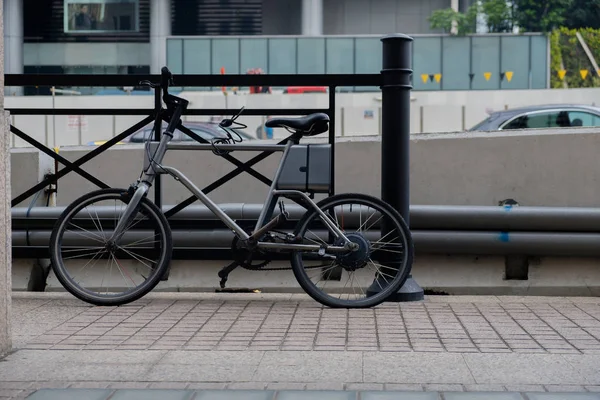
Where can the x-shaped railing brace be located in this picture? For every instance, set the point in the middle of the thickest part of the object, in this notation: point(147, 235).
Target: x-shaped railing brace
point(71, 166)
point(76, 165)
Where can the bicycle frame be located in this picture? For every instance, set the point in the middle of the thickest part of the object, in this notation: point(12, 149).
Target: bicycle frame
point(154, 154)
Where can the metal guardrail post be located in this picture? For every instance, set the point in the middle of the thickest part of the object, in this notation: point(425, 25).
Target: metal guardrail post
point(395, 141)
point(157, 135)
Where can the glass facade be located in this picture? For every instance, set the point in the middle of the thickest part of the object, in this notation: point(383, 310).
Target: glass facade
point(489, 62)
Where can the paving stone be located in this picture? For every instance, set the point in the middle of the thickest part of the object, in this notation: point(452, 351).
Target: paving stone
point(482, 396)
point(207, 385)
point(321, 395)
point(563, 396)
point(399, 396)
point(525, 388)
point(234, 395)
point(168, 385)
point(50, 385)
point(90, 385)
point(152, 394)
point(128, 385)
point(415, 368)
point(364, 386)
point(324, 386)
point(484, 388)
point(9, 392)
point(526, 369)
point(564, 388)
point(404, 387)
point(15, 385)
point(286, 386)
point(70, 394)
point(247, 385)
point(443, 388)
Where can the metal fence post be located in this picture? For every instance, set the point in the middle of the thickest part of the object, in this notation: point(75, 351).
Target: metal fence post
point(157, 136)
point(395, 140)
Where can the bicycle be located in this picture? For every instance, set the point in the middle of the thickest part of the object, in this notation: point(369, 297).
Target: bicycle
point(303, 171)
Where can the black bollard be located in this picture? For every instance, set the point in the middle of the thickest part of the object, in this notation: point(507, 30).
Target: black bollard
point(395, 143)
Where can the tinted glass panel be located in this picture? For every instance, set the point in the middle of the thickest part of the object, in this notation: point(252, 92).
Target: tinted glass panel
point(101, 16)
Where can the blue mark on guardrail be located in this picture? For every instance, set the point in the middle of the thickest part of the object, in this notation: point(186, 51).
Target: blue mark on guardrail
point(504, 237)
point(508, 207)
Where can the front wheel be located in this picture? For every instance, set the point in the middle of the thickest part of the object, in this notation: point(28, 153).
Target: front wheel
point(98, 271)
point(382, 261)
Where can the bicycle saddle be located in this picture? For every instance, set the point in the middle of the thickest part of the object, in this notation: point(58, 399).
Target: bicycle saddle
point(309, 125)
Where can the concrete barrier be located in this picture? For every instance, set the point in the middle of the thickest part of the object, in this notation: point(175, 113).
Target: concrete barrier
point(456, 275)
point(536, 168)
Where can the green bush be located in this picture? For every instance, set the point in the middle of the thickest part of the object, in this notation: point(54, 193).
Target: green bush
point(565, 46)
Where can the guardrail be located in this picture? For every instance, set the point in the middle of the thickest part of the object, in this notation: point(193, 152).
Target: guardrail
point(330, 81)
point(467, 230)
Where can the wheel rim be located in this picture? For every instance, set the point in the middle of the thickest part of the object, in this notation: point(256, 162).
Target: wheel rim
point(93, 266)
point(346, 279)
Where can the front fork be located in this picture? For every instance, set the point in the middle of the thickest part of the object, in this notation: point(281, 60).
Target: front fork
point(130, 211)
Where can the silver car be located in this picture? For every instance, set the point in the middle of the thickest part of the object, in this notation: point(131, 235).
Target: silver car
point(544, 116)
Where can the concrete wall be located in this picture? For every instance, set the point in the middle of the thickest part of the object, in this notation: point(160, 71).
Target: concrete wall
point(549, 168)
point(28, 168)
point(439, 111)
point(457, 275)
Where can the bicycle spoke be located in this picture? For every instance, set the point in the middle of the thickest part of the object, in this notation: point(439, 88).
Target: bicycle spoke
point(139, 258)
point(141, 241)
point(361, 219)
point(100, 238)
point(81, 255)
point(122, 269)
point(136, 257)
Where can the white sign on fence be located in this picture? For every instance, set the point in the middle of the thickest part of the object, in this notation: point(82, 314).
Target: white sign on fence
point(77, 123)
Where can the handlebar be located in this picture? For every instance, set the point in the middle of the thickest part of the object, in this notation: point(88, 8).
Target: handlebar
point(166, 79)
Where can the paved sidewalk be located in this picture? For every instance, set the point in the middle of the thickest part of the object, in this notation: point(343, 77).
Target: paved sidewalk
point(277, 344)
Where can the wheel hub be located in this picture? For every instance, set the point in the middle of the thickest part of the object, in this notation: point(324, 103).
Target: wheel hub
point(356, 259)
point(111, 247)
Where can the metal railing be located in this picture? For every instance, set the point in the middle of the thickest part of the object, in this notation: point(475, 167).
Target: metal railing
point(27, 224)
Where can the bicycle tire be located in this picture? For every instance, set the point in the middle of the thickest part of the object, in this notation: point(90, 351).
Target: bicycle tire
point(393, 287)
point(86, 295)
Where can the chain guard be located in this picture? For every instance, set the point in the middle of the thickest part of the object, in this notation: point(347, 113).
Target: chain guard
point(245, 257)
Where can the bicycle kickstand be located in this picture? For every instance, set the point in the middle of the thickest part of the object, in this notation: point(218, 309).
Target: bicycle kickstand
point(224, 273)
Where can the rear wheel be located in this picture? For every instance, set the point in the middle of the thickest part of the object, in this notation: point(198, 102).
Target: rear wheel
point(385, 252)
point(102, 273)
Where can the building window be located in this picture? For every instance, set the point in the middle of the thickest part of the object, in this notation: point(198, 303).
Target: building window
point(101, 16)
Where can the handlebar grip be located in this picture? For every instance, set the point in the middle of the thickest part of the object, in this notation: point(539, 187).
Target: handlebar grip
point(166, 77)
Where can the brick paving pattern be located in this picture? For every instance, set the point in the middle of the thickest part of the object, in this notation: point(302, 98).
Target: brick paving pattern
point(431, 326)
point(450, 347)
point(23, 389)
